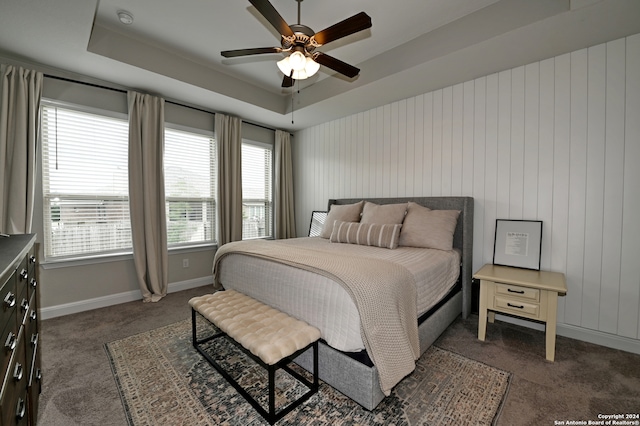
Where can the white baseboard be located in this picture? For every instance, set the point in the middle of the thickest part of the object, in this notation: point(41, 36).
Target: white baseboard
point(579, 333)
point(116, 299)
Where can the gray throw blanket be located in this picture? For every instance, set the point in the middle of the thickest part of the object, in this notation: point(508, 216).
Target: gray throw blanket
point(384, 293)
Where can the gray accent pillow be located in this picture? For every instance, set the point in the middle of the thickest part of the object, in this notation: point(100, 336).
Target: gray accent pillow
point(343, 212)
point(366, 234)
point(383, 213)
point(423, 227)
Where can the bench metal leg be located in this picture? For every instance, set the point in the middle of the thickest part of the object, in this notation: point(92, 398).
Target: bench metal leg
point(271, 416)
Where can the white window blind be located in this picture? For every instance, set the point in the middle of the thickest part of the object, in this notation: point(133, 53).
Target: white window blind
point(257, 190)
point(85, 184)
point(190, 173)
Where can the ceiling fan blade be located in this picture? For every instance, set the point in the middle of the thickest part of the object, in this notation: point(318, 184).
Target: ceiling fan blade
point(271, 14)
point(247, 52)
point(336, 64)
point(349, 26)
point(288, 81)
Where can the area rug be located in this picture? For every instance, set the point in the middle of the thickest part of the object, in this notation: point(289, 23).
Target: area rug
point(162, 380)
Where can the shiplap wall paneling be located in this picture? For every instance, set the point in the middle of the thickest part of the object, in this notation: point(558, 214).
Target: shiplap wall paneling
point(594, 207)
point(577, 185)
point(516, 161)
point(545, 160)
point(629, 305)
point(479, 163)
point(613, 187)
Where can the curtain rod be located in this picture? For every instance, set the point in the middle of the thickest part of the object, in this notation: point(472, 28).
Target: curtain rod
point(100, 86)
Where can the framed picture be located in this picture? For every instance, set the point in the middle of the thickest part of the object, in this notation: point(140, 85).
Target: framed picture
point(518, 243)
point(317, 222)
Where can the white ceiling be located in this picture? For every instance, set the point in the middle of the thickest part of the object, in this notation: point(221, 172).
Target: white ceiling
point(414, 46)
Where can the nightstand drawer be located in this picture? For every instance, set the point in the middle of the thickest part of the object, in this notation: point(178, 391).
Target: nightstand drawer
point(517, 307)
point(528, 293)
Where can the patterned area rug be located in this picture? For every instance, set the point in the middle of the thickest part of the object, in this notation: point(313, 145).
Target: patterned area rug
point(163, 381)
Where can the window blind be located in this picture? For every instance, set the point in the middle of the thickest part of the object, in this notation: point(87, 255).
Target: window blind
point(85, 184)
point(190, 187)
point(257, 190)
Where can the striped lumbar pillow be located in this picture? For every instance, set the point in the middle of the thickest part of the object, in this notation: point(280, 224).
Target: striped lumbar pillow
point(366, 234)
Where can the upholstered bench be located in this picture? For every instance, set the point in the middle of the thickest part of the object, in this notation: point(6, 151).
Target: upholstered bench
point(270, 337)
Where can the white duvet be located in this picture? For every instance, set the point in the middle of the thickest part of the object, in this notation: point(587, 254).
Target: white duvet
point(324, 303)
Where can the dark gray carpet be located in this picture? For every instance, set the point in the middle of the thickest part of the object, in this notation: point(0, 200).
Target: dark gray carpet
point(584, 381)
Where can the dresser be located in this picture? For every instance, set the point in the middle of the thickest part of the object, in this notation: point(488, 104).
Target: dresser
point(20, 357)
point(523, 293)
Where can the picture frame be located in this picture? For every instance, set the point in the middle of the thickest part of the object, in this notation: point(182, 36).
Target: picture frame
point(518, 243)
point(317, 222)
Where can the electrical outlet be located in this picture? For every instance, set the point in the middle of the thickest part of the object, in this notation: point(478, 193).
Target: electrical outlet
point(185, 263)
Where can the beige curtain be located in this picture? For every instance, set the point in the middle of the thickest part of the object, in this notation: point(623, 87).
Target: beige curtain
point(229, 138)
point(284, 212)
point(20, 93)
point(146, 194)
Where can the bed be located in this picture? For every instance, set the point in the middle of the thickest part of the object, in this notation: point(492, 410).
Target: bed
point(303, 284)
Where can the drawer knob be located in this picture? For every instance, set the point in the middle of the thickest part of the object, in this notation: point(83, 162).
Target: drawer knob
point(515, 306)
point(21, 409)
point(10, 300)
point(24, 274)
point(33, 315)
point(33, 283)
point(17, 373)
point(24, 305)
point(38, 374)
point(34, 339)
point(11, 342)
point(515, 291)
point(32, 259)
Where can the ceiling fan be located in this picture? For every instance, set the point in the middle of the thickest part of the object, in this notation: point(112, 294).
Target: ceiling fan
point(301, 42)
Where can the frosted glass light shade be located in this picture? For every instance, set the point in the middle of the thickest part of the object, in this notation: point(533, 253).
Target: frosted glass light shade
point(310, 67)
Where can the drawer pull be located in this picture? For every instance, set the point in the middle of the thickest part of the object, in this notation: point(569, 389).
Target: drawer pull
point(38, 374)
point(33, 283)
point(23, 274)
point(32, 259)
point(25, 305)
point(515, 306)
point(11, 342)
point(10, 300)
point(34, 339)
point(33, 315)
point(17, 373)
point(515, 291)
point(21, 409)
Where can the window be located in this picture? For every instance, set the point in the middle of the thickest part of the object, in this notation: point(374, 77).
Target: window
point(85, 183)
point(189, 176)
point(257, 200)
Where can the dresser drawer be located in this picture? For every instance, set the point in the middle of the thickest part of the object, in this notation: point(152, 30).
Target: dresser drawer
point(8, 301)
point(518, 307)
point(14, 393)
point(532, 294)
point(32, 261)
point(22, 278)
point(9, 344)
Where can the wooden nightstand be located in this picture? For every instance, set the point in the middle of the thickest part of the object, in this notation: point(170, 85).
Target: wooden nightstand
point(521, 292)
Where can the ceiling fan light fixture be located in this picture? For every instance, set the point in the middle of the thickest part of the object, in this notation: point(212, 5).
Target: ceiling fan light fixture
point(297, 61)
point(309, 68)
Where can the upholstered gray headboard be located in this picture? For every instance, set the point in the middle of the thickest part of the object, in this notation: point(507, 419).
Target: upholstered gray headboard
point(462, 238)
